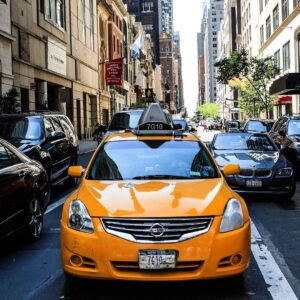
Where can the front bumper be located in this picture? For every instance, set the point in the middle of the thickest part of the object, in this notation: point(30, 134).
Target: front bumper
point(107, 257)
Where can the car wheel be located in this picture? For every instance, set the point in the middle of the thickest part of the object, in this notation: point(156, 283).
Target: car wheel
point(71, 181)
point(292, 190)
point(35, 218)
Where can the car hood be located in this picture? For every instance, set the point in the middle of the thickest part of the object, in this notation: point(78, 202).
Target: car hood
point(250, 159)
point(165, 198)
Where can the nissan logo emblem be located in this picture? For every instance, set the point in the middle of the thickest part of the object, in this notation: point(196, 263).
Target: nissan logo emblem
point(157, 230)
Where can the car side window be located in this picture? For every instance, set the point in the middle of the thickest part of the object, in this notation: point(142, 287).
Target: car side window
point(56, 124)
point(13, 158)
point(48, 127)
point(67, 128)
point(4, 158)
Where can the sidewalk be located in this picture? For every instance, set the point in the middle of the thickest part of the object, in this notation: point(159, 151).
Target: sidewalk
point(87, 146)
point(206, 136)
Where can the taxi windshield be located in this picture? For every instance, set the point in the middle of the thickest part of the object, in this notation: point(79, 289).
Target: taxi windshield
point(152, 160)
point(243, 142)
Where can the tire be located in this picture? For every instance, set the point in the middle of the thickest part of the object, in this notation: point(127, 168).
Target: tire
point(71, 181)
point(292, 190)
point(35, 218)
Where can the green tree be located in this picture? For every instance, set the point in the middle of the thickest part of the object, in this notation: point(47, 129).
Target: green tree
point(9, 102)
point(255, 73)
point(209, 110)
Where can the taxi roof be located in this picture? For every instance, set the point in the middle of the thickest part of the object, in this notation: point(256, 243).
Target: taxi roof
point(129, 136)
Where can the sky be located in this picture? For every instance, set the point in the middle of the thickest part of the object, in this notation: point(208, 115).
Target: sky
point(187, 15)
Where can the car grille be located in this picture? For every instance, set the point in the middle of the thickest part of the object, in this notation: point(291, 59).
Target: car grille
point(262, 172)
point(246, 172)
point(157, 230)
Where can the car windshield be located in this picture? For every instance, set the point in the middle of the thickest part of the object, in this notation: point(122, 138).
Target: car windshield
point(182, 123)
point(294, 127)
point(152, 160)
point(243, 142)
point(257, 126)
point(124, 120)
point(23, 128)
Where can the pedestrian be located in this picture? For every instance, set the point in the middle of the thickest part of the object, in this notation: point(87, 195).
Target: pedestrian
point(96, 132)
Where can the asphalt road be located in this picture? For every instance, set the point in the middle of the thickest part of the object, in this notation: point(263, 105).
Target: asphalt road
point(33, 270)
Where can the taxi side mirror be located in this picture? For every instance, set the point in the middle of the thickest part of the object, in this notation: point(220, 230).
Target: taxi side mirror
point(231, 169)
point(75, 171)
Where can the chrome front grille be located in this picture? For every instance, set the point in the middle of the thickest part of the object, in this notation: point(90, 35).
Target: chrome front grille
point(246, 172)
point(261, 172)
point(152, 231)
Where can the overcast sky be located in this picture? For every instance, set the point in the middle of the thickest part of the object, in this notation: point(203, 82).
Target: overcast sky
point(187, 14)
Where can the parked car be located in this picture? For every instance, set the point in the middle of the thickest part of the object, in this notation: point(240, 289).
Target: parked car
point(47, 137)
point(181, 124)
point(256, 125)
point(264, 169)
point(286, 134)
point(24, 192)
point(233, 126)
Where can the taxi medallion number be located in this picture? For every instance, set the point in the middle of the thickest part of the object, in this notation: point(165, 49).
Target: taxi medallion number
point(157, 259)
point(253, 183)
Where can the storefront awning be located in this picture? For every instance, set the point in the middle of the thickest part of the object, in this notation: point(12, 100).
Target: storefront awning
point(283, 100)
point(289, 84)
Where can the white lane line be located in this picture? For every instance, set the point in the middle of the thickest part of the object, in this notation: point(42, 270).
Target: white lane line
point(278, 285)
point(57, 203)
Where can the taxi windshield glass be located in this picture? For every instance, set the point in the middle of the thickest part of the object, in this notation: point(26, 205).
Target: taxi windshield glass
point(243, 142)
point(153, 160)
point(294, 127)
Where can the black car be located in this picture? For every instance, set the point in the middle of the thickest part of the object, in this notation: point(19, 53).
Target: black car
point(233, 126)
point(256, 125)
point(25, 192)
point(47, 137)
point(264, 169)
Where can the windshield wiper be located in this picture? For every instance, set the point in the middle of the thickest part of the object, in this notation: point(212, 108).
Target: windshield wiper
point(146, 177)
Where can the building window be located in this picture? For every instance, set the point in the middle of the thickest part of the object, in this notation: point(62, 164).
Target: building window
point(83, 21)
point(114, 43)
point(275, 17)
point(261, 6)
point(285, 9)
point(286, 56)
point(55, 12)
point(147, 6)
point(277, 58)
point(268, 27)
point(92, 32)
point(261, 35)
point(296, 2)
point(298, 50)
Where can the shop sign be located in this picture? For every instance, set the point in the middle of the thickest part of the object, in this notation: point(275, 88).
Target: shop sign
point(56, 57)
point(114, 72)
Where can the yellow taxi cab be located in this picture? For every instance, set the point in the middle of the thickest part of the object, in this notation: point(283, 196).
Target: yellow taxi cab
point(153, 205)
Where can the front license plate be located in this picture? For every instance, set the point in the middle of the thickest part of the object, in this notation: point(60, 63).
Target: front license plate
point(253, 183)
point(157, 259)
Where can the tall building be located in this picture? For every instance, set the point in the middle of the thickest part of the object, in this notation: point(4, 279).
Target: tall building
point(6, 40)
point(213, 15)
point(179, 84)
point(147, 12)
point(279, 32)
point(166, 16)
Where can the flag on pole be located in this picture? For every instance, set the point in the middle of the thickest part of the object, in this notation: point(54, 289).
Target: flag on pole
point(136, 47)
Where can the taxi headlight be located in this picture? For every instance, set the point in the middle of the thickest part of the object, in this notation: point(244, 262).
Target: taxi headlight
point(79, 218)
point(232, 216)
point(284, 172)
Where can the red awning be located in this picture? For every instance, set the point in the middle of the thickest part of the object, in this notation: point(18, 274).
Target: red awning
point(282, 100)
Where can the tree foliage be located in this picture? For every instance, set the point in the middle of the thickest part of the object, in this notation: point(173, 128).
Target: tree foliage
point(256, 75)
point(9, 102)
point(209, 110)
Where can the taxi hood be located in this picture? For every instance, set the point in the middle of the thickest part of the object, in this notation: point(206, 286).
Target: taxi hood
point(155, 198)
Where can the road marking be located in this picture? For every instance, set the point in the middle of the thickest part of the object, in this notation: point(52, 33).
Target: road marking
point(278, 285)
point(57, 203)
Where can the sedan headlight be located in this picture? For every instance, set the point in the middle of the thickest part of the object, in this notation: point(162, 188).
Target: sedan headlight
point(79, 218)
point(284, 172)
point(232, 216)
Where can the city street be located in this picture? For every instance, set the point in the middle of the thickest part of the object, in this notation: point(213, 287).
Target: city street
point(274, 270)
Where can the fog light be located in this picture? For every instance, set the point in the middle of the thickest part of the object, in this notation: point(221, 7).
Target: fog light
point(76, 260)
point(236, 259)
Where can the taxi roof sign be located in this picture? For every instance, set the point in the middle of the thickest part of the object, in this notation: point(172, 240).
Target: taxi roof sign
point(154, 122)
